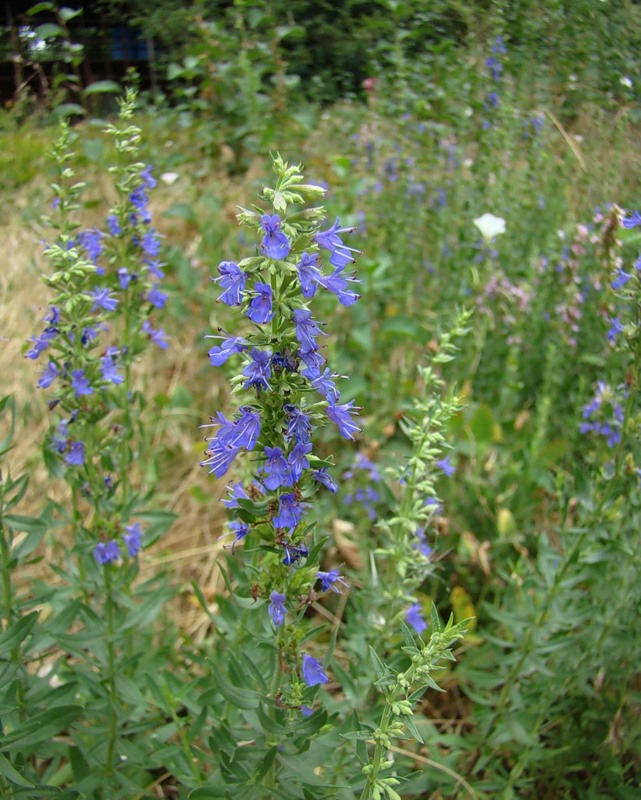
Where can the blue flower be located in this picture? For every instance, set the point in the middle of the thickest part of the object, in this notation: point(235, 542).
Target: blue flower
point(308, 273)
point(615, 329)
point(258, 370)
point(158, 337)
point(149, 182)
point(102, 299)
point(133, 539)
point(331, 580)
point(415, 619)
point(339, 286)
point(312, 359)
point(219, 354)
point(91, 242)
point(247, 428)
point(40, 343)
point(124, 278)
point(298, 460)
point(240, 530)
point(232, 280)
point(236, 492)
point(113, 225)
point(294, 553)
point(260, 309)
point(323, 476)
point(633, 221)
point(79, 383)
point(156, 297)
point(299, 425)
point(49, 374)
point(276, 469)
point(222, 453)
point(76, 455)
point(277, 608)
point(444, 465)
point(290, 512)
point(154, 268)
point(324, 384)
point(306, 329)
point(313, 673)
point(340, 415)
point(341, 255)
point(107, 552)
point(421, 545)
point(620, 279)
point(275, 243)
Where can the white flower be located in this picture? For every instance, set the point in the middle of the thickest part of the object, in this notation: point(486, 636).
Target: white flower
point(625, 81)
point(490, 226)
point(169, 178)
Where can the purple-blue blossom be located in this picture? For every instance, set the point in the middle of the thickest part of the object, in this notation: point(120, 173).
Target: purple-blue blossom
point(91, 243)
point(76, 455)
point(133, 539)
point(49, 374)
point(276, 470)
point(260, 309)
point(107, 552)
point(444, 465)
point(307, 329)
point(124, 277)
point(298, 460)
point(308, 274)
point(332, 581)
point(258, 371)
point(299, 424)
point(156, 297)
point(240, 531)
point(313, 673)
point(102, 298)
point(414, 617)
point(633, 221)
point(341, 416)
point(323, 477)
point(232, 279)
point(275, 243)
point(235, 492)
point(620, 278)
point(277, 608)
point(158, 337)
point(230, 345)
point(290, 511)
point(80, 383)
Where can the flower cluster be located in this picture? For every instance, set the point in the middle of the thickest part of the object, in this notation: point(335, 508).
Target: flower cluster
point(106, 285)
point(363, 474)
point(288, 389)
point(495, 66)
point(603, 415)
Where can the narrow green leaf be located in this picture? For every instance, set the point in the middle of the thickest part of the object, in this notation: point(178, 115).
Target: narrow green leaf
point(411, 727)
point(9, 771)
point(17, 633)
point(19, 522)
point(380, 668)
point(41, 727)
point(241, 698)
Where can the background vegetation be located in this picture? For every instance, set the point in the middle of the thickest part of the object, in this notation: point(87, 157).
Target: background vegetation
point(420, 118)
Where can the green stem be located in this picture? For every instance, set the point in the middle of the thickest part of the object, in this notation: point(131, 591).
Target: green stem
point(377, 758)
point(111, 671)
